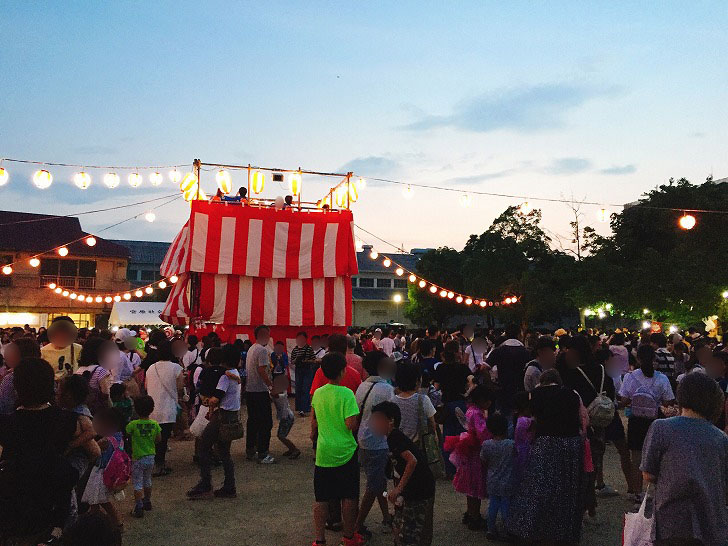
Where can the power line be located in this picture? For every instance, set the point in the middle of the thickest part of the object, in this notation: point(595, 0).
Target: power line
point(86, 166)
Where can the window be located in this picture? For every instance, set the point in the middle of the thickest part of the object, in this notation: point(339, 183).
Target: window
point(49, 266)
point(148, 275)
point(87, 268)
point(132, 274)
point(384, 283)
point(366, 283)
point(400, 283)
point(379, 312)
point(353, 282)
point(53, 267)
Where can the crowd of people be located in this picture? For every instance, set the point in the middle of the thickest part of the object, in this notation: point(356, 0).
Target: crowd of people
point(518, 419)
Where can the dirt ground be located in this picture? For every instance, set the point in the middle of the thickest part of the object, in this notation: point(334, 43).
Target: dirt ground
point(273, 507)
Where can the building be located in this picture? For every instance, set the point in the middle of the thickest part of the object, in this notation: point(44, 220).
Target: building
point(379, 294)
point(89, 270)
point(145, 259)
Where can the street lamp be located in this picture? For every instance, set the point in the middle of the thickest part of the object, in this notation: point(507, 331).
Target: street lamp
point(397, 299)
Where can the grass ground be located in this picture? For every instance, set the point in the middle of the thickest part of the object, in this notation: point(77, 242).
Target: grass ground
point(273, 507)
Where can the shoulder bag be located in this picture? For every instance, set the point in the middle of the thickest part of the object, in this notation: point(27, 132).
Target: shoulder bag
point(428, 442)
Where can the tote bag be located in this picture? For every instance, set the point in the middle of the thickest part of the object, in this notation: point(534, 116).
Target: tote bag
point(639, 528)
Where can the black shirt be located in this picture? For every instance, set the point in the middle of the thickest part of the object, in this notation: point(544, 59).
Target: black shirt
point(556, 410)
point(511, 361)
point(453, 380)
point(421, 484)
point(575, 380)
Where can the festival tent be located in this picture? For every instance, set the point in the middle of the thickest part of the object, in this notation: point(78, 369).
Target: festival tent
point(240, 266)
point(143, 313)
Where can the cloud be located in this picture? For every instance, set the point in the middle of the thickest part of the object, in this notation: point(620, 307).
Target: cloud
point(568, 165)
point(96, 150)
point(477, 178)
point(523, 109)
point(372, 165)
point(617, 170)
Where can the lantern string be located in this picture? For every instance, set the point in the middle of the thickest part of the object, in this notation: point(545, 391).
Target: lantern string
point(87, 166)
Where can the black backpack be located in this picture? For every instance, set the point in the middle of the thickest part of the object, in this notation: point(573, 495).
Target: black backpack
point(209, 377)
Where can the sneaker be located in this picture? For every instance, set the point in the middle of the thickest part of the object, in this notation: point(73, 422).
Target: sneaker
point(607, 491)
point(147, 505)
point(137, 511)
point(199, 492)
point(224, 493)
point(268, 459)
point(301, 414)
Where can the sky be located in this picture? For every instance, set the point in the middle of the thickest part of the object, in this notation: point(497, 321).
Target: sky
point(582, 100)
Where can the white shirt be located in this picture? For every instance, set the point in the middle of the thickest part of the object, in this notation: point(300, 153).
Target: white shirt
point(658, 386)
point(191, 357)
point(474, 358)
point(621, 355)
point(387, 345)
point(162, 387)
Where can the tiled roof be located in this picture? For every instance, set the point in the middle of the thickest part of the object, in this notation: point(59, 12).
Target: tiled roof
point(27, 232)
point(145, 252)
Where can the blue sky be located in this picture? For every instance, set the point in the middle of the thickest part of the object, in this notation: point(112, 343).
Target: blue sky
point(595, 100)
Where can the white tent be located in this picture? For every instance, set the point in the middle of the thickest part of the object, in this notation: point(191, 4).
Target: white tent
point(143, 313)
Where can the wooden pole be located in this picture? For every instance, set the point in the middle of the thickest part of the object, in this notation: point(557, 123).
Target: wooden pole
point(196, 166)
point(248, 195)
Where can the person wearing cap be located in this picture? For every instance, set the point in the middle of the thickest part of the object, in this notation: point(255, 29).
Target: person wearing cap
point(62, 352)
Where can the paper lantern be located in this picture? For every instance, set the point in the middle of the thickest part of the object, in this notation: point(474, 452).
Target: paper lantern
point(422, 284)
point(412, 278)
point(450, 295)
point(483, 303)
point(443, 293)
point(399, 271)
point(387, 262)
point(149, 289)
point(162, 285)
point(52, 286)
point(257, 181)
point(63, 251)
point(466, 200)
point(42, 179)
point(173, 279)
point(34, 262)
point(407, 193)
point(341, 195)
point(156, 179)
point(603, 215)
point(150, 216)
point(117, 298)
point(65, 293)
point(107, 299)
point(397, 298)
point(459, 299)
point(91, 240)
point(111, 180)
point(374, 254)
point(175, 176)
point(433, 289)
point(224, 181)
point(58, 290)
point(135, 180)
point(7, 270)
point(138, 293)
point(687, 221)
point(82, 180)
point(294, 183)
point(99, 299)
point(127, 296)
point(353, 193)
point(73, 296)
point(468, 301)
point(3, 176)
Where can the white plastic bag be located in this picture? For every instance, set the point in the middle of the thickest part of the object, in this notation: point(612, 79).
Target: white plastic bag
point(639, 528)
point(199, 425)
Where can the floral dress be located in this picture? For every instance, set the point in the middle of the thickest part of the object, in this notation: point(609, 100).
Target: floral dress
point(470, 477)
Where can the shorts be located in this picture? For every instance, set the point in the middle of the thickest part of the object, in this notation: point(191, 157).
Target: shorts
point(413, 522)
point(374, 464)
point(284, 427)
point(337, 482)
point(637, 428)
point(615, 430)
point(141, 472)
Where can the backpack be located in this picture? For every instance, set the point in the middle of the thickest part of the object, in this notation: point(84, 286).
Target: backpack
point(601, 410)
point(644, 404)
point(118, 470)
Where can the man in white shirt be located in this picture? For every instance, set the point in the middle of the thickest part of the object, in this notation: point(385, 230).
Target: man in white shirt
point(258, 388)
point(386, 344)
point(474, 353)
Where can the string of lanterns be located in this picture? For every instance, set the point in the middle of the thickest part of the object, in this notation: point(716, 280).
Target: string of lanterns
point(139, 292)
point(434, 288)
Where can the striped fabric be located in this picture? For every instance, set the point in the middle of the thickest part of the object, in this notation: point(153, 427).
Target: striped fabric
point(286, 334)
point(242, 300)
point(263, 242)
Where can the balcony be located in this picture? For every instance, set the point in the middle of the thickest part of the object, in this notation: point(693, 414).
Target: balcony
point(81, 283)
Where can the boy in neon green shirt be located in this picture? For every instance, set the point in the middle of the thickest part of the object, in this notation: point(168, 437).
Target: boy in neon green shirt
point(144, 433)
point(336, 476)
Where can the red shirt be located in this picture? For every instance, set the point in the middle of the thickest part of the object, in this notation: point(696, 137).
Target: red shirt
point(354, 361)
point(351, 380)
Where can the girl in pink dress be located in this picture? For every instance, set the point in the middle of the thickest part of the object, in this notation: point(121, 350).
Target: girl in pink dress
point(470, 478)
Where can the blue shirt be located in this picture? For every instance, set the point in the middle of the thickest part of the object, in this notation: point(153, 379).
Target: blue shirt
point(231, 399)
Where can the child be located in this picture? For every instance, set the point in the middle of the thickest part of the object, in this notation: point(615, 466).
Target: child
point(144, 433)
point(122, 402)
point(414, 494)
point(284, 414)
point(108, 425)
point(498, 454)
point(334, 416)
point(469, 477)
point(278, 360)
point(525, 431)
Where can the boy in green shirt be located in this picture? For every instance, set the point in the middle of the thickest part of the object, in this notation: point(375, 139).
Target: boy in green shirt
point(334, 417)
point(144, 433)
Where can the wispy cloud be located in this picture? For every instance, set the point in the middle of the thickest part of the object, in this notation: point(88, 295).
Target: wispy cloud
point(373, 165)
point(617, 170)
point(568, 165)
point(522, 109)
point(477, 178)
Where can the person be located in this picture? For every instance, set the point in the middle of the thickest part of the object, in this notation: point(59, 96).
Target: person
point(334, 416)
point(164, 380)
point(498, 455)
point(377, 339)
point(353, 359)
point(14, 353)
point(469, 477)
point(475, 352)
point(413, 495)
point(62, 351)
point(193, 357)
point(145, 433)
point(92, 529)
point(108, 424)
point(98, 357)
point(37, 479)
point(386, 343)
point(545, 360)
point(372, 447)
point(702, 354)
point(224, 409)
point(303, 360)
point(686, 457)
point(413, 406)
point(426, 359)
point(317, 344)
point(549, 503)
point(643, 392)
point(510, 357)
point(278, 360)
point(258, 398)
point(664, 361)
point(523, 434)
point(620, 352)
point(284, 415)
